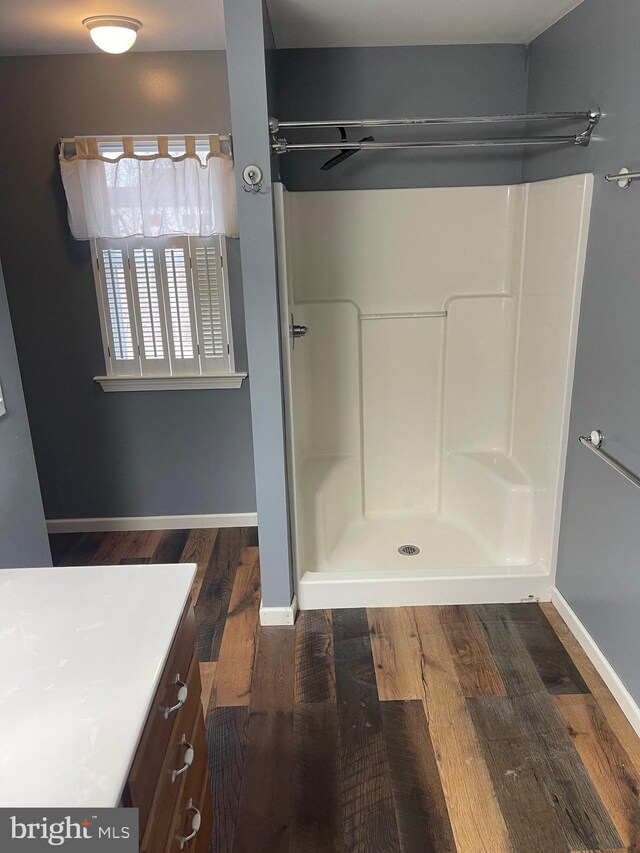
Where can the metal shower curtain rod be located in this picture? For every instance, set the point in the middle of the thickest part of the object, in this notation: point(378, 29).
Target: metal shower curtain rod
point(584, 115)
point(445, 143)
point(282, 146)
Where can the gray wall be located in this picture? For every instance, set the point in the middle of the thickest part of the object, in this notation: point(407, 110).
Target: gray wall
point(248, 36)
point(589, 58)
point(391, 82)
point(23, 535)
point(144, 453)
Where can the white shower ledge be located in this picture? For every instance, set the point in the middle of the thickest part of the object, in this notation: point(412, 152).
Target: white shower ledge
point(498, 464)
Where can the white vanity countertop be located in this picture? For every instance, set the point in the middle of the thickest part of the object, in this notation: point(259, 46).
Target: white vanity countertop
point(81, 653)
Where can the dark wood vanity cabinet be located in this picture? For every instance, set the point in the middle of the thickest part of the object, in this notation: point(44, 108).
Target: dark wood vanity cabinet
point(169, 781)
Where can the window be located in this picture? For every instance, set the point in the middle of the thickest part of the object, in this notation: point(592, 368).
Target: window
point(164, 312)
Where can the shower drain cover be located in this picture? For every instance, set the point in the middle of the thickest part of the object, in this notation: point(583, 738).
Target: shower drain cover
point(408, 550)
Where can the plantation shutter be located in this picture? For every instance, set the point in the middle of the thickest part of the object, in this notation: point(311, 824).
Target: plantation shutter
point(117, 313)
point(164, 306)
point(175, 264)
point(149, 306)
point(211, 299)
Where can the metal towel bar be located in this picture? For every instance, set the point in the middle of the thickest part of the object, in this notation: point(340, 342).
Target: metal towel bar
point(594, 442)
point(623, 178)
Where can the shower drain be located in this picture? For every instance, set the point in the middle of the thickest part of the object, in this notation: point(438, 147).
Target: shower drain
point(408, 550)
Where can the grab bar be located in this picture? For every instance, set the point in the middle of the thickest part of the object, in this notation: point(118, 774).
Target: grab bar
point(594, 442)
point(623, 178)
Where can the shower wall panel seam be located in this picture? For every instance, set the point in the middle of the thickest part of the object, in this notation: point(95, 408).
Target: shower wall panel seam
point(441, 411)
point(519, 278)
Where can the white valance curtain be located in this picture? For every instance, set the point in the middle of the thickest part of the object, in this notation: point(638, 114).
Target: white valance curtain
point(151, 195)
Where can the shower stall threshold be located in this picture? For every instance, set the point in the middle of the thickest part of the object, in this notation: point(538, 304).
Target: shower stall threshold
point(407, 587)
point(400, 559)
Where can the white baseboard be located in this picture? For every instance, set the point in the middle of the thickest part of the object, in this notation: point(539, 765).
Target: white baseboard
point(279, 615)
point(152, 522)
point(608, 674)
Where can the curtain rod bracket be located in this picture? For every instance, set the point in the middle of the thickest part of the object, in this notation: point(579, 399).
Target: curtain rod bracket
point(279, 145)
point(585, 137)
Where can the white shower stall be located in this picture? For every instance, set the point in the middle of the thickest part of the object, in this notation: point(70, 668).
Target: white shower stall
point(428, 405)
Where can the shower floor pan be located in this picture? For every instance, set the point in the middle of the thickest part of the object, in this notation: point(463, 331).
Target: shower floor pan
point(366, 568)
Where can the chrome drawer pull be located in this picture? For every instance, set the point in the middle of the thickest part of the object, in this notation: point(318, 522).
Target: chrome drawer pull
point(189, 755)
point(196, 820)
point(183, 692)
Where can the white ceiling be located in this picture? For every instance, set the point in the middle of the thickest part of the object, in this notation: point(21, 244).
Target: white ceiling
point(366, 23)
point(55, 26)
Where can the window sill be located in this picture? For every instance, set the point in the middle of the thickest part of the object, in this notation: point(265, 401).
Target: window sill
point(170, 383)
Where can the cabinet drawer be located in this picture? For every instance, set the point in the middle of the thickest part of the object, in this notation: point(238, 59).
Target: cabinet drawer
point(205, 835)
point(195, 794)
point(158, 825)
point(147, 764)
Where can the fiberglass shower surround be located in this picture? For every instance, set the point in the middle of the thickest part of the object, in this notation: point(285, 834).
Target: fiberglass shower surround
point(430, 400)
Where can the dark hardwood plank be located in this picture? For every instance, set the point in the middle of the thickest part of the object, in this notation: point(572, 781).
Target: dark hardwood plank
point(129, 544)
point(207, 682)
point(264, 812)
point(215, 593)
point(237, 650)
point(171, 545)
point(60, 543)
point(272, 687)
point(580, 810)
point(558, 672)
point(315, 671)
point(84, 551)
point(517, 670)
point(609, 766)
point(251, 537)
point(524, 800)
point(395, 653)
point(369, 816)
point(476, 668)
point(198, 549)
point(613, 714)
point(141, 543)
point(316, 806)
point(134, 561)
point(477, 822)
point(420, 806)
point(265, 800)
point(226, 737)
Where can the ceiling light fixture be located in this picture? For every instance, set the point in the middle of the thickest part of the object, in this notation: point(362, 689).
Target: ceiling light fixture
point(112, 33)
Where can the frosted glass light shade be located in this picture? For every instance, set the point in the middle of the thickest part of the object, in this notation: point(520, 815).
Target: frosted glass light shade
point(113, 33)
